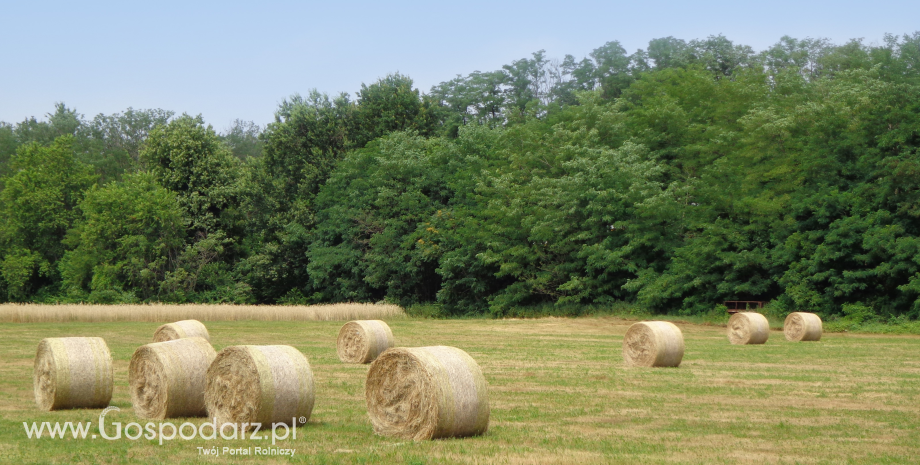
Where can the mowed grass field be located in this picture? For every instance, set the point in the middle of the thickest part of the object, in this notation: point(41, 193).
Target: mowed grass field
point(559, 393)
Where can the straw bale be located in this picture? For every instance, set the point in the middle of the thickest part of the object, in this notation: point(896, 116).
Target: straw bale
point(167, 379)
point(259, 384)
point(361, 341)
point(73, 372)
point(653, 344)
point(427, 393)
point(802, 326)
point(748, 328)
point(180, 329)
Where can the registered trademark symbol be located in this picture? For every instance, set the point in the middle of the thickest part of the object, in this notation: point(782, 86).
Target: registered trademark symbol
point(303, 420)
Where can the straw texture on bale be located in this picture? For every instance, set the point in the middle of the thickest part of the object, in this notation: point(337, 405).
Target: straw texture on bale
point(73, 372)
point(802, 326)
point(653, 344)
point(361, 341)
point(167, 379)
point(748, 328)
point(427, 393)
point(259, 384)
point(180, 329)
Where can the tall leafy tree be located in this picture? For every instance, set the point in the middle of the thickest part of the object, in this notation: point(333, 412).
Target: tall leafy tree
point(127, 240)
point(37, 206)
point(114, 141)
point(188, 158)
point(302, 146)
point(243, 139)
point(388, 105)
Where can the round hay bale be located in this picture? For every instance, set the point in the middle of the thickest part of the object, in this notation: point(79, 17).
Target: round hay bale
point(361, 341)
point(748, 328)
point(73, 372)
point(427, 393)
point(802, 326)
point(167, 379)
point(653, 344)
point(180, 329)
point(259, 384)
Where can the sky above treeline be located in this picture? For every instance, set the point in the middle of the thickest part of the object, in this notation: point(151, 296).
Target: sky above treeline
point(237, 60)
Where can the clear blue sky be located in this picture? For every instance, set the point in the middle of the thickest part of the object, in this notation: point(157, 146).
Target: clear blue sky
point(232, 59)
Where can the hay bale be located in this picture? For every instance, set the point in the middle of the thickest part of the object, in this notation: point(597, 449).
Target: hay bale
point(180, 329)
point(167, 379)
point(259, 384)
point(748, 328)
point(361, 341)
point(427, 393)
point(73, 372)
point(653, 344)
point(802, 326)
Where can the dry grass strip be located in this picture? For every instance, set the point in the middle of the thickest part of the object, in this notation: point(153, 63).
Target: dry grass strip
point(361, 341)
point(167, 379)
point(73, 372)
point(802, 326)
point(259, 384)
point(181, 329)
point(37, 313)
point(427, 393)
point(653, 344)
point(748, 328)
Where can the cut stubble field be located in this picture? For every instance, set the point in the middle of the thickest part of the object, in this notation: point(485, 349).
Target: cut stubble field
point(559, 393)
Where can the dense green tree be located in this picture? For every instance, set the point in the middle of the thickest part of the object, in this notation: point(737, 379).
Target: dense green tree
point(126, 242)
point(301, 148)
point(8, 146)
point(188, 158)
point(365, 245)
point(112, 143)
point(667, 52)
point(243, 139)
point(388, 105)
point(38, 205)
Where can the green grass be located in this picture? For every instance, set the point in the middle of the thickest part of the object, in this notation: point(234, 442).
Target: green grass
point(559, 393)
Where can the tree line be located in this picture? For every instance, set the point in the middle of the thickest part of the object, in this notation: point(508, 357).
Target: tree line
point(675, 178)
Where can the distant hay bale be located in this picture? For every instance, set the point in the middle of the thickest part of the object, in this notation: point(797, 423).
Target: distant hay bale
point(361, 341)
point(427, 393)
point(802, 326)
point(748, 328)
point(167, 379)
point(259, 384)
point(653, 344)
point(180, 329)
point(73, 372)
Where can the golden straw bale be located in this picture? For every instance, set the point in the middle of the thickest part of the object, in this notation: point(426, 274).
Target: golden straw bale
point(180, 329)
point(802, 326)
point(167, 379)
point(73, 372)
point(748, 328)
point(653, 344)
point(259, 384)
point(427, 393)
point(361, 341)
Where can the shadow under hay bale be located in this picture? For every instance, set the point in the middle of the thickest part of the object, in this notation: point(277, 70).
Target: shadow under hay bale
point(802, 326)
point(653, 344)
point(181, 329)
point(167, 379)
point(427, 393)
point(259, 384)
point(73, 372)
point(361, 341)
point(748, 328)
